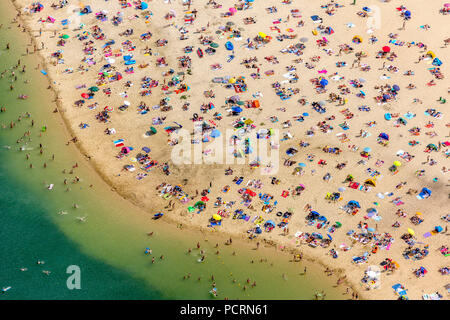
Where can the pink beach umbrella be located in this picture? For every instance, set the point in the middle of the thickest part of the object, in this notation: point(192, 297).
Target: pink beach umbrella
point(232, 10)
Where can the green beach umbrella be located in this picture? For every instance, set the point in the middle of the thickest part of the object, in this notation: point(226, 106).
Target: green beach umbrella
point(191, 209)
point(93, 89)
point(214, 45)
point(153, 130)
point(66, 36)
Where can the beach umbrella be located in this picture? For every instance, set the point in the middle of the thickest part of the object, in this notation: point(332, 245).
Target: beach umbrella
point(217, 217)
point(262, 35)
point(144, 5)
point(341, 189)
point(237, 109)
point(386, 49)
point(153, 130)
point(93, 89)
point(214, 45)
point(396, 87)
point(407, 13)
point(301, 164)
point(66, 36)
point(232, 80)
point(329, 237)
point(127, 103)
point(397, 163)
point(411, 232)
point(305, 114)
point(338, 224)
point(146, 149)
point(215, 133)
point(85, 95)
point(191, 209)
point(367, 149)
point(323, 82)
point(371, 229)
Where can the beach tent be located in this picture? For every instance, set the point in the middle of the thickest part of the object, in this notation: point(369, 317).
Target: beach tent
point(431, 53)
point(370, 182)
point(383, 136)
point(215, 133)
point(270, 222)
point(424, 193)
point(125, 150)
point(436, 62)
point(432, 146)
point(353, 204)
point(229, 46)
point(86, 10)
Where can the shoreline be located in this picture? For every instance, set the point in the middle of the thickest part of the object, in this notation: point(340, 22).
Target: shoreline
point(317, 255)
point(196, 228)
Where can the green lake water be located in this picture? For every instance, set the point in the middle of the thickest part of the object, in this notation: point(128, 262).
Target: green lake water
point(109, 246)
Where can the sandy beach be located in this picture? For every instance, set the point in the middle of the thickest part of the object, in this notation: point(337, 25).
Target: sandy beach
point(357, 95)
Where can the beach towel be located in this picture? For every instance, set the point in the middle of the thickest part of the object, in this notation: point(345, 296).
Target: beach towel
point(119, 143)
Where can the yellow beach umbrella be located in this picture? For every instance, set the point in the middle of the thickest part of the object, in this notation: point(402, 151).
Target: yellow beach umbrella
point(411, 232)
point(232, 80)
point(397, 163)
point(217, 217)
point(262, 35)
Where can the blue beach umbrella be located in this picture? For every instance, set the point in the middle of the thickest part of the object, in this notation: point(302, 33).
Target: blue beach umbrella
point(144, 5)
point(305, 114)
point(323, 82)
point(215, 133)
point(367, 149)
point(237, 109)
point(301, 164)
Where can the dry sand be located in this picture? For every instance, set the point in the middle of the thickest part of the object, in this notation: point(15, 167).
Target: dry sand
point(131, 126)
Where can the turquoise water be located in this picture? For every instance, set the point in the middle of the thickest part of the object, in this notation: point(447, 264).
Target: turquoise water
point(109, 247)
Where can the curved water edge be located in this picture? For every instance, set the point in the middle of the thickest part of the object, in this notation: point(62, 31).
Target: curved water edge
point(115, 231)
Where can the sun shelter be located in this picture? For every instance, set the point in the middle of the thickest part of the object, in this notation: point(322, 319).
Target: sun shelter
point(370, 182)
point(353, 204)
point(424, 193)
point(383, 136)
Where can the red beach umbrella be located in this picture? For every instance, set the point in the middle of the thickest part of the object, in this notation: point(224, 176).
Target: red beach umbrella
point(386, 49)
point(85, 95)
